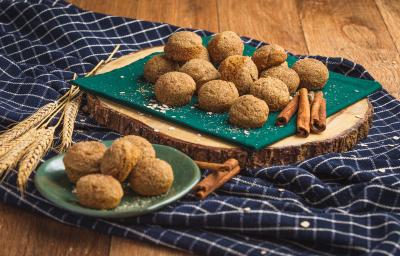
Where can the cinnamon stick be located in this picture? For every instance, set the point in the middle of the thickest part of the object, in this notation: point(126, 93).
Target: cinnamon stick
point(303, 116)
point(288, 112)
point(215, 180)
point(227, 166)
point(318, 113)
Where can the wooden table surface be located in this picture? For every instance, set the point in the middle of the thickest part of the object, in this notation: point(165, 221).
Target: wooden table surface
point(365, 31)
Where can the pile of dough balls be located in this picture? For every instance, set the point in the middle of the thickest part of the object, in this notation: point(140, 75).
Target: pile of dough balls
point(226, 81)
point(98, 171)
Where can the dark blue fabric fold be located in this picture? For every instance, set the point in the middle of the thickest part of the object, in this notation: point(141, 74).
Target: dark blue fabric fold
point(345, 204)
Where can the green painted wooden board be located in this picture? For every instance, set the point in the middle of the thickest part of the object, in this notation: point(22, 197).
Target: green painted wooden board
point(52, 182)
point(127, 86)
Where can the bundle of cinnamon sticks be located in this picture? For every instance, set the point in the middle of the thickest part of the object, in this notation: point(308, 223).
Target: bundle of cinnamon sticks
point(221, 173)
point(311, 116)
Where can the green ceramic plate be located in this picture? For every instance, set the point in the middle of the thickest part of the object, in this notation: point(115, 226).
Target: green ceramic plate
point(53, 184)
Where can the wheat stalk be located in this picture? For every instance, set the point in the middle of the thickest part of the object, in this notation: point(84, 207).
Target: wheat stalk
point(7, 146)
point(33, 156)
point(10, 160)
point(27, 124)
point(71, 111)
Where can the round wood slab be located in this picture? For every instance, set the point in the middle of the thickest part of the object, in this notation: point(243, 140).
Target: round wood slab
point(343, 131)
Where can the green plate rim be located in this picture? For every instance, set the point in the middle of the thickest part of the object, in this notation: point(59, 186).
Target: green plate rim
point(111, 214)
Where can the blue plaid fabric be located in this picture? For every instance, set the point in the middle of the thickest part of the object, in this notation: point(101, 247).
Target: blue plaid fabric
point(336, 204)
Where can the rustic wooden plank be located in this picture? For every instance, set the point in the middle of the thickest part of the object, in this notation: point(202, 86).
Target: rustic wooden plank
point(390, 10)
point(184, 13)
point(125, 8)
point(127, 247)
point(270, 21)
point(27, 233)
point(357, 32)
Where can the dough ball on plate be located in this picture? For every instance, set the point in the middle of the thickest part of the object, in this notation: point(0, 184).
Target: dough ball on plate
point(175, 89)
point(268, 56)
point(151, 177)
point(248, 112)
point(119, 159)
point(157, 66)
point(99, 191)
point(273, 91)
point(239, 70)
point(217, 96)
point(141, 143)
point(223, 45)
point(83, 158)
point(313, 73)
point(200, 70)
point(183, 46)
point(285, 74)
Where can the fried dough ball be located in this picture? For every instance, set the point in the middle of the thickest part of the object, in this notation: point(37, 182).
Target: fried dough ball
point(142, 144)
point(157, 66)
point(183, 46)
point(119, 159)
point(175, 89)
point(201, 71)
point(99, 191)
point(273, 91)
point(313, 73)
point(239, 70)
point(151, 177)
point(217, 96)
point(269, 56)
point(248, 112)
point(83, 158)
point(285, 74)
point(223, 45)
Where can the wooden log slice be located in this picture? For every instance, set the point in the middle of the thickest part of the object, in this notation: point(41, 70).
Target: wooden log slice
point(344, 130)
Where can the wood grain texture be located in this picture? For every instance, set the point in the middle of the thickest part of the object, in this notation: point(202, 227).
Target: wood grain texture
point(269, 20)
point(27, 233)
point(354, 30)
point(390, 10)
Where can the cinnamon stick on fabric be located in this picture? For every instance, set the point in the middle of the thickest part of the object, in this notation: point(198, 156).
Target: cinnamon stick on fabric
point(318, 113)
point(225, 167)
point(214, 181)
point(288, 112)
point(303, 116)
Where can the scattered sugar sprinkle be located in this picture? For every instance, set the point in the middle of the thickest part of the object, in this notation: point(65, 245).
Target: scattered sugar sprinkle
point(234, 138)
point(121, 92)
point(122, 76)
point(173, 116)
point(305, 224)
point(246, 132)
point(356, 91)
point(199, 134)
point(192, 107)
point(358, 116)
point(156, 130)
point(247, 209)
point(141, 114)
point(209, 113)
point(263, 252)
point(171, 128)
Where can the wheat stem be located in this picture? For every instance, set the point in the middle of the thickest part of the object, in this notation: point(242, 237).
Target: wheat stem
point(112, 54)
point(28, 123)
point(33, 156)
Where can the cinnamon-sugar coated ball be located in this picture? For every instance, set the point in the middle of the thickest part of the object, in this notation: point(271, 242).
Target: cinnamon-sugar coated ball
point(217, 96)
point(158, 65)
point(99, 191)
point(273, 91)
point(83, 158)
point(313, 73)
point(223, 45)
point(239, 70)
point(119, 159)
point(248, 112)
point(183, 46)
point(151, 177)
point(175, 89)
point(269, 56)
point(285, 74)
point(201, 71)
point(147, 150)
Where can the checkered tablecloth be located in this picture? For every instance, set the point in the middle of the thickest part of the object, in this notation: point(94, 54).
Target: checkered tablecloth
point(346, 204)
